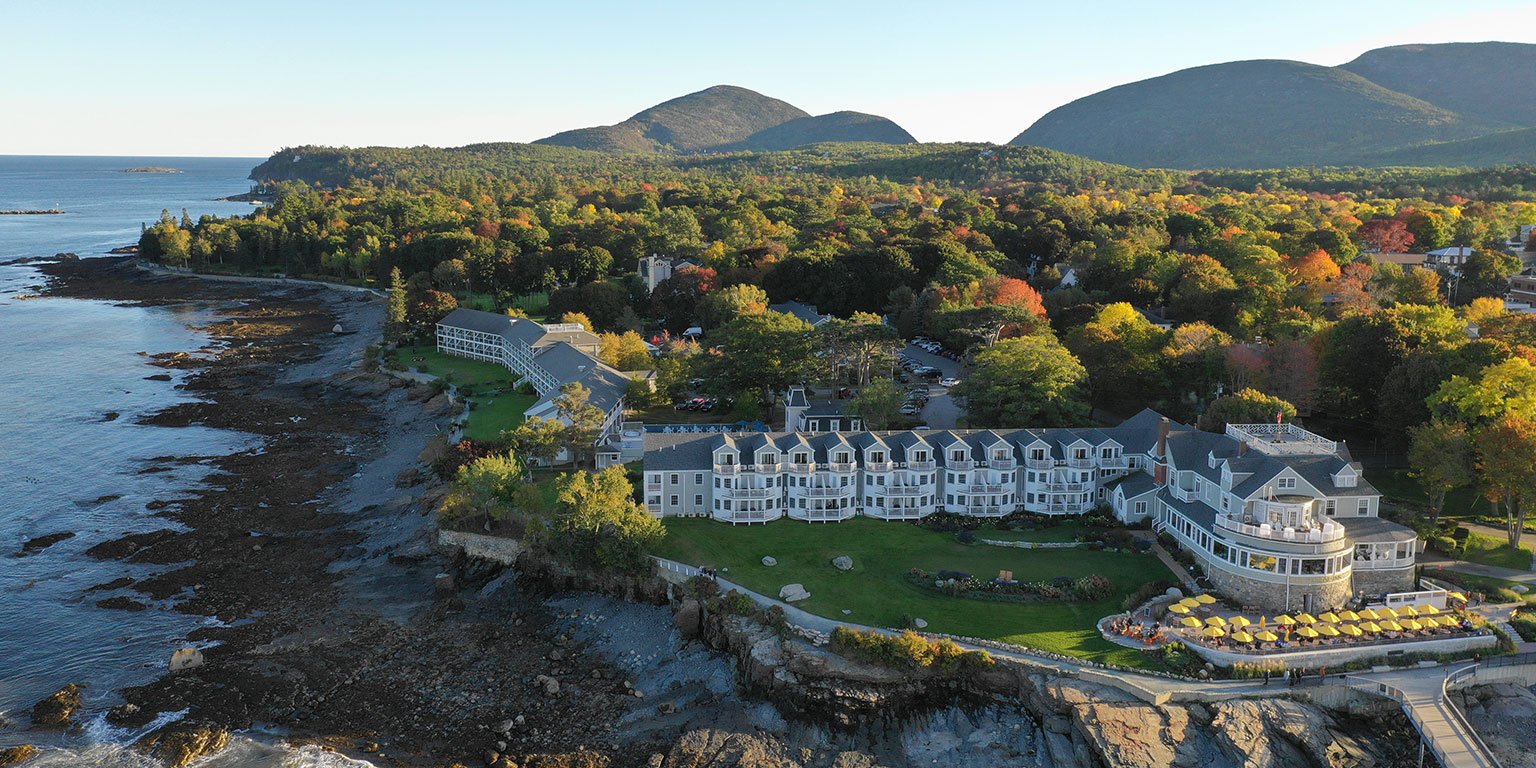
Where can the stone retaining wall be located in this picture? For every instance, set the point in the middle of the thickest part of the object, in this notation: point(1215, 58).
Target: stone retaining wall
point(1373, 582)
point(498, 549)
point(1033, 544)
point(1330, 595)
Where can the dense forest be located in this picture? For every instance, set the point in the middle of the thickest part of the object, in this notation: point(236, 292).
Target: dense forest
point(1026, 260)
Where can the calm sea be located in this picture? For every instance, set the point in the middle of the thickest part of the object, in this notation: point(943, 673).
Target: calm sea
point(64, 365)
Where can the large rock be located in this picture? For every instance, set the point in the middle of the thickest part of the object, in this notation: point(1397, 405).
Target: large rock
point(10, 756)
point(770, 561)
point(792, 593)
point(186, 658)
point(58, 710)
point(178, 744)
point(842, 563)
point(689, 619)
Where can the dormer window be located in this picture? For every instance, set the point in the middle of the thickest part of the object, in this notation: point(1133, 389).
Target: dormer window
point(840, 458)
point(1037, 454)
point(801, 458)
point(1285, 484)
point(877, 457)
point(727, 459)
point(919, 455)
point(957, 456)
point(1346, 479)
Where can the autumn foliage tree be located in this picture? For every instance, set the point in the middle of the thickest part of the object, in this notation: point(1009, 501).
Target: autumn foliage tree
point(1506, 463)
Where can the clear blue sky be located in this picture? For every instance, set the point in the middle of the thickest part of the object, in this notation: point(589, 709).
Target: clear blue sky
point(243, 79)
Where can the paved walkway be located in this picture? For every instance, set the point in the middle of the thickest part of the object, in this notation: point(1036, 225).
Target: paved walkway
point(1422, 695)
point(1432, 561)
point(1185, 578)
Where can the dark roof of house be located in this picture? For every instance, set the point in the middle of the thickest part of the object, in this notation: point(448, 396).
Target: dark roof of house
point(1369, 529)
point(796, 398)
point(475, 320)
point(825, 408)
point(806, 312)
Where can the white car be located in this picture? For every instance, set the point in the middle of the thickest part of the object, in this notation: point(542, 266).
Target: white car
point(948, 382)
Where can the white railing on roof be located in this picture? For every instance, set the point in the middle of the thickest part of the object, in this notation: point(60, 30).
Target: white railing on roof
point(564, 328)
point(1281, 439)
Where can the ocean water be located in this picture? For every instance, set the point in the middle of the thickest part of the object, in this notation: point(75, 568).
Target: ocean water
point(65, 466)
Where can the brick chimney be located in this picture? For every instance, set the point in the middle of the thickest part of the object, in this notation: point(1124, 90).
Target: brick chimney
point(1160, 472)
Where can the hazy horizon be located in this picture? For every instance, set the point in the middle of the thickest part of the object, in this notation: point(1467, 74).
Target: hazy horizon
point(197, 80)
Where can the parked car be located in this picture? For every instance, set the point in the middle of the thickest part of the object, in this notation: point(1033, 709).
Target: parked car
point(709, 404)
point(697, 403)
point(948, 381)
point(844, 392)
point(911, 409)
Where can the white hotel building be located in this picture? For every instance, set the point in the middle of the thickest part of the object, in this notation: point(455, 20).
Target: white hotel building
point(546, 356)
point(1276, 516)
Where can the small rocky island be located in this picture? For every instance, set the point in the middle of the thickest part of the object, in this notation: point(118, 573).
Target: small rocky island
point(151, 169)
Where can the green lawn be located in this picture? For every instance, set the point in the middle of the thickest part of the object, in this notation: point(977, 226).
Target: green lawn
point(877, 590)
point(1495, 550)
point(1398, 486)
point(497, 405)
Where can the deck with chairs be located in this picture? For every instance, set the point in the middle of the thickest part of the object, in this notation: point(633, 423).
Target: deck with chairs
point(1203, 621)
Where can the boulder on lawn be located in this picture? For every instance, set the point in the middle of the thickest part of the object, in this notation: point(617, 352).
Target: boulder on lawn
point(791, 593)
point(920, 623)
point(842, 563)
point(770, 561)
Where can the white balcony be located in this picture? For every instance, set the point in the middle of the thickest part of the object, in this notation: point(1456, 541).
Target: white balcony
point(825, 492)
point(802, 469)
point(653, 487)
point(840, 466)
point(921, 466)
point(764, 467)
point(1325, 533)
point(1114, 462)
point(1039, 463)
point(904, 491)
point(750, 493)
point(1082, 487)
point(1080, 462)
point(1003, 464)
point(1186, 495)
point(981, 488)
point(727, 469)
point(988, 511)
point(879, 466)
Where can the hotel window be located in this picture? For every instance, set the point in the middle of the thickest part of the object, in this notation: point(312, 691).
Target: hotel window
point(674, 481)
point(674, 500)
point(698, 500)
point(877, 457)
point(1141, 507)
point(1286, 483)
point(1330, 507)
point(1363, 506)
point(698, 478)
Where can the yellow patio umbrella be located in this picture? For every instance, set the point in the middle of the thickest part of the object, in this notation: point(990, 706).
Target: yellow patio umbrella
point(1456, 596)
point(1391, 626)
point(1191, 622)
point(1371, 626)
point(1385, 613)
point(1215, 632)
point(1178, 608)
point(1408, 611)
point(1307, 632)
point(1306, 618)
point(1412, 625)
point(1240, 621)
point(1349, 615)
point(1428, 610)
point(1190, 602)
point(1284, 619)
point(1368, 614)
point(1242, 637)
point(1266, 636)
point(1216, 621)
point(1205, 599)
point(1330, 617)
point(1327, 630)
point(1351, 630)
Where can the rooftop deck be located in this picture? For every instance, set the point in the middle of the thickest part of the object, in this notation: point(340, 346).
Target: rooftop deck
point(1282, 440)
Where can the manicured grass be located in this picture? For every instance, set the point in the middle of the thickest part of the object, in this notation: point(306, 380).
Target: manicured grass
point(496, 412)
point(497, 405)
point(1398, 486)
point(1495, 550)
point(1485, 584)
point(877, 590)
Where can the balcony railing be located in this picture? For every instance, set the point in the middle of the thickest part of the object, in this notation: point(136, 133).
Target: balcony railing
point(1082, 487)
point(764, 466)
point(653, 487)
point(1003, 464)
point(982, 488)
point(921, 466)
point(803, 469)
point(899, 490)
point(727, 469)
point(1039, 463)
point(841, 466)
point(749, 517)
point(988, 510)
point(827, 493)
point(1300, 536)
point(1114, 462)
point(1069, 509)
point(958, 464)
point(1184, 494)
point(878, 466)
point(751, 493)
point(1080, 462)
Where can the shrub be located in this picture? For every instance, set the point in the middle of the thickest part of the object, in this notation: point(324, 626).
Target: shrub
point(1507, 595)
point(906, 650)
point(1144, 593)
point(702, 587)
point(526, 388)
point(1093, 587)
point(1525, 624)
point(739, 604)
point(966, 537)
point(1445, 545)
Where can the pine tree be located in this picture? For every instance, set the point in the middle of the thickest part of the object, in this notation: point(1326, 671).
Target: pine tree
point(395, 319)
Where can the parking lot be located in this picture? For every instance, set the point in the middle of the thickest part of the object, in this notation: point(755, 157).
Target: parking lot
point(941, 412)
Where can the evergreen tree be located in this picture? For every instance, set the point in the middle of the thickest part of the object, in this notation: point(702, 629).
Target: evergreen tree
point(395, 318)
